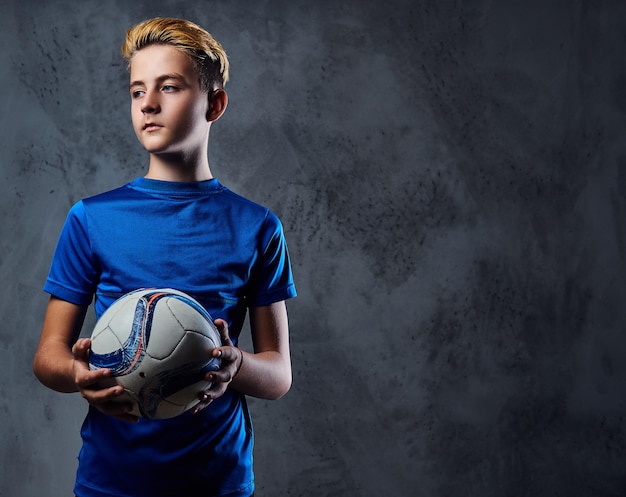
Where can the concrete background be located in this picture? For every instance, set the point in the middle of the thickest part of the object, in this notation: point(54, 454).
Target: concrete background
point(451, 177)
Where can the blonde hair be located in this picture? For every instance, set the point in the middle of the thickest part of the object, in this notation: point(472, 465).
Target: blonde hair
point(205, 51)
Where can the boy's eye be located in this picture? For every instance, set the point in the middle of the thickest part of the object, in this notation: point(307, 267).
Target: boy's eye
point(136, 93)
point(168, 88)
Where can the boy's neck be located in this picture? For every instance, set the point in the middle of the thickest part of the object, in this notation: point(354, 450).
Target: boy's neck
point(178, 169)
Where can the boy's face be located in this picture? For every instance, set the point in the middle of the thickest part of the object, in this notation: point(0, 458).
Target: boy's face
point(169, 109)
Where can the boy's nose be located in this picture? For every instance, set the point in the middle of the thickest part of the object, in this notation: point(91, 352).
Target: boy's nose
point(149, 109)
point(149, 105)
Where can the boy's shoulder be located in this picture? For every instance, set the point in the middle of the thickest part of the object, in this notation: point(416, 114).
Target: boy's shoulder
point(117, 192)
point(243, 201)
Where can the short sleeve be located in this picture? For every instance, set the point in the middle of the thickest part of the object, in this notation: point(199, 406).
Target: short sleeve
point(74, 271)
point(271, 276)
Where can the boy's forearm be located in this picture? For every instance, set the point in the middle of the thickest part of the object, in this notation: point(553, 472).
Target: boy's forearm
point(54, 361)
point(265, 375)
point(53, 366)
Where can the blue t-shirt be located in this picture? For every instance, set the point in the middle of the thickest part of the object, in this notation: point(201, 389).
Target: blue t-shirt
point(227, 252)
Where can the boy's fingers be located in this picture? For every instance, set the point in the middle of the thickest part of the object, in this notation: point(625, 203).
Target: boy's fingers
point(222, 327)
point(80, 349)
point(227, 353)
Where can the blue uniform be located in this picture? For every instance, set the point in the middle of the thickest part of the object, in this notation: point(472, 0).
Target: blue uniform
point(226, 252)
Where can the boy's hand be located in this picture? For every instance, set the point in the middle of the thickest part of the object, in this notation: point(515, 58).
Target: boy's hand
point(87, 383)
point(232, 359)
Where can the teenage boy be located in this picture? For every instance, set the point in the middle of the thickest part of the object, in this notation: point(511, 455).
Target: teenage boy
point(175, 227)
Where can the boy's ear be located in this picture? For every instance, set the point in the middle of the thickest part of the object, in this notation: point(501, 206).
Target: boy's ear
point(218, 100)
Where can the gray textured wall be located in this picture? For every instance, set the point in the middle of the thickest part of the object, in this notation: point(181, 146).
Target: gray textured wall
point(451, 177)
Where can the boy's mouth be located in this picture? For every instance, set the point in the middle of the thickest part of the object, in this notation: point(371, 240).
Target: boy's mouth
point(151, 126)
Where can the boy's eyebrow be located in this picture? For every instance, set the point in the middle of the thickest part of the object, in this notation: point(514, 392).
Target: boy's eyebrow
point(160, 79)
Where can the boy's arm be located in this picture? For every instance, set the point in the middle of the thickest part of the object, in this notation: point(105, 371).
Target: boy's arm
point(266, 373)
point(54, 362)
point(62, 363)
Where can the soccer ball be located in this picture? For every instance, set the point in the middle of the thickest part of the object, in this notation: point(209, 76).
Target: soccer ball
point(158, 344)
